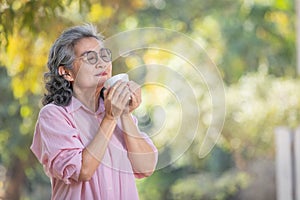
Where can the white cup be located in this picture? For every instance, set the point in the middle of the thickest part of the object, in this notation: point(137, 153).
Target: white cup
point(112, 80)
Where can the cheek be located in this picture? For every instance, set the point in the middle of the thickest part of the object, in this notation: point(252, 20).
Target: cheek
point(75, 70)
point(79, 73)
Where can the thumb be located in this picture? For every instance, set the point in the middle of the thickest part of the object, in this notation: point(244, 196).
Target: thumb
point(105, 92)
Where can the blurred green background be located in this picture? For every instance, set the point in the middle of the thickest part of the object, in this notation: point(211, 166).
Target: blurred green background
point(253, 44)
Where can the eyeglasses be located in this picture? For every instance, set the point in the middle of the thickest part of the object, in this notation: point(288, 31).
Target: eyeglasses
point(91, 57)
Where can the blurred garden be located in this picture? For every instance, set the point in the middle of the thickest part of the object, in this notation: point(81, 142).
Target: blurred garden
point(252, 44)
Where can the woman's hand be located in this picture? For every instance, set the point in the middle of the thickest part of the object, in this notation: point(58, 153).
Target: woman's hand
point(116, 99)
point(136, 97)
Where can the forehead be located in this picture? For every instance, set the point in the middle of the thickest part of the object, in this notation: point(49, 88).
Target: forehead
point(87, 44)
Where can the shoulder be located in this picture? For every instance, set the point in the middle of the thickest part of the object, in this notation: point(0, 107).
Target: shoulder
point(52, 110)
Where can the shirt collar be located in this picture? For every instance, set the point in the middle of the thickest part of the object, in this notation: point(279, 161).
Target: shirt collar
point(75, 104)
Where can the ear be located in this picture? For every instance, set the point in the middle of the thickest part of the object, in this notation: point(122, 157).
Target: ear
point(65, 73)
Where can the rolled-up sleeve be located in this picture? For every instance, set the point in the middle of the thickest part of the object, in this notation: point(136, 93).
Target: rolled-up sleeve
point(57, 145)
point(150, 142)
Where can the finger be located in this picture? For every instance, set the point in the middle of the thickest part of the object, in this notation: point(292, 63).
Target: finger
point(125, 99)
point(122, 88)
point(136, 96)
point(136, 91)
point(125, 94)
point(134, 102)
point(133, 86)
point(112, 90)
point(105, 93)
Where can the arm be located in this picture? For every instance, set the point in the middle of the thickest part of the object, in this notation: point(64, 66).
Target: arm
point(94, 152)
point(142, 155)
point(115, 100)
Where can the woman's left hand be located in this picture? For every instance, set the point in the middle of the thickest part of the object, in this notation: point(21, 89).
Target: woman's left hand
point(136, 96)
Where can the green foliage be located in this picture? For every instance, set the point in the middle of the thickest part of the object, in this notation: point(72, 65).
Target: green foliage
point(219, 161)
point(207, 186)
point(240, 36)
point(215, 178)
point(256, 105)
point(10, 138)
point(258, 35)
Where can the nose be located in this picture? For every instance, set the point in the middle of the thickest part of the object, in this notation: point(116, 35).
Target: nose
point(100, 64)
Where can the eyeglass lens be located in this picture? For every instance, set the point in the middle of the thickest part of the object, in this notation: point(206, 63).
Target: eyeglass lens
point(105, 55)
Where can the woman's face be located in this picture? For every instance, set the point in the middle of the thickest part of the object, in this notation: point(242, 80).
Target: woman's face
point(88, 75)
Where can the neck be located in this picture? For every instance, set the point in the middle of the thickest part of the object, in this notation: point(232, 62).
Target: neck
point(89, 98)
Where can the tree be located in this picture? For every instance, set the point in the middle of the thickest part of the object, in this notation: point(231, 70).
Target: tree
point(12, 139)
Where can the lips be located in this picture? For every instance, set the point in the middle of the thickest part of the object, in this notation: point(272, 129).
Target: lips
point(102, 74)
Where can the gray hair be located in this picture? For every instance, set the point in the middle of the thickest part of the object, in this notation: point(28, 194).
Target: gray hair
point(59, 90)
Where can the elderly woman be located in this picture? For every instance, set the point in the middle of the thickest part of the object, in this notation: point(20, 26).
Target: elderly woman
point(86, 137)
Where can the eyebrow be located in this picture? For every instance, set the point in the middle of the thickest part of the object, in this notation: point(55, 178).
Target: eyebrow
point(85, 53)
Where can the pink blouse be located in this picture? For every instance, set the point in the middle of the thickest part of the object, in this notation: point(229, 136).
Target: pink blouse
point(60, 136)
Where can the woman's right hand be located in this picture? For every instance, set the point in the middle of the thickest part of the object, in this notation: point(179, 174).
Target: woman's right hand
point(116, 100)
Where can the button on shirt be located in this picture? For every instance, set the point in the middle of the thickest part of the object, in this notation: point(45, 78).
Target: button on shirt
point(60, 136)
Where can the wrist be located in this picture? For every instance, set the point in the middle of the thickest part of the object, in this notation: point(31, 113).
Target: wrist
point(109, 118)
point(126, 115)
